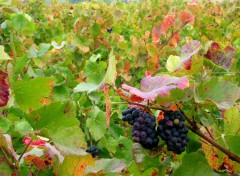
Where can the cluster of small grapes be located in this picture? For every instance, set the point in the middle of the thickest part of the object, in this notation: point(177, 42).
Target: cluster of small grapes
point(173, 131)
point(144, 125)
point(93, 150)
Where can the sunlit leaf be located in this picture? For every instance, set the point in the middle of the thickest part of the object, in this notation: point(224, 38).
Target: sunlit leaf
point(172, 63)
point(111, 73)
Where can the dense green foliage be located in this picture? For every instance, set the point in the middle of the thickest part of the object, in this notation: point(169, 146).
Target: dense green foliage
point(69, 67)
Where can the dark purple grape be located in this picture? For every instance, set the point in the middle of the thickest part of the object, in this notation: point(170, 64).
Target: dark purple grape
point(143, 134)
point(136, 139)
point(140, 120)
point(136, 125)
point(173, 131)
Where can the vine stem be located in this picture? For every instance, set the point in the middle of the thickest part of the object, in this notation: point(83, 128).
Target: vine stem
point(231, 155)
point(19, 159)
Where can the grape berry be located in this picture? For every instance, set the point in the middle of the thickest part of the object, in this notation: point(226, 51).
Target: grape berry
point(173, 131)
point(93, 150)
point(143, 130)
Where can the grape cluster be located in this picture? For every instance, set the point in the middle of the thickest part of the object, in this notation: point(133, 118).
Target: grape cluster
point(173, 131)
point(143, 130)
point(93, 150)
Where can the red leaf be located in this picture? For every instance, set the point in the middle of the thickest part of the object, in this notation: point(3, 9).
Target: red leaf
point(39, 163)
point(167, 24)
point(38, 142)
point(4, 89)
point(174, 40)
point(186, 17)
point(160, 29)
point(135, 98)
point(160, 116)
point(221, 57)
point(151, 87)
point(108, 105)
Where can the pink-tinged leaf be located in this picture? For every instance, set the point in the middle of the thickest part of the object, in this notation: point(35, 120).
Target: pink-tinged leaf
point(108, 105)
point(38, 142)
point(186, 17)
point(220, 56)
point(4, 89)
point(188, 50)
point(151, 87)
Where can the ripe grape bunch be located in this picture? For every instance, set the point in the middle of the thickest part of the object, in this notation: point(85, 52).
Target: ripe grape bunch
point(143, 130)
point(173, 131)
point(93, 150)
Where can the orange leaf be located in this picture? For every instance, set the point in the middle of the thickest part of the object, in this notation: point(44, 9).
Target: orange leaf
point(174, 40)
point(108, 105)
point(39, 163)
point(186, 17)
point(160, 116)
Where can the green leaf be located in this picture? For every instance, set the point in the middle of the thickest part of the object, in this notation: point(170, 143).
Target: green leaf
point(4, 124)
point(23, 23)
point(194, 164)
point(74, 165)
point(111, 73)
point(222, 93)
point(28, 94)
point(172, 63)
point(58, 121)
point(97, 123)
point(232, 121)
point(124, 150)
point(3, 54)
point(232, 142)
point(106, 165)
point(96, 29)
point(20, 64)
point(43, 49)
point(86, 87)
point(193, 146)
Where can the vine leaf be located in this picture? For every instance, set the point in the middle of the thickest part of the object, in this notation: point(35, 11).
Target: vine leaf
point(4, 89)
point(74, 165)
point(151, 87)
point(232, 121)
point(111, 73)
point(62, 127)
point(186, 17)
point(29, 93)
point(188, 50)
point(161, 28)
point(222, 93)
point(194, 164)
point(105, 166)
point(97, 123)
point(220, 56)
